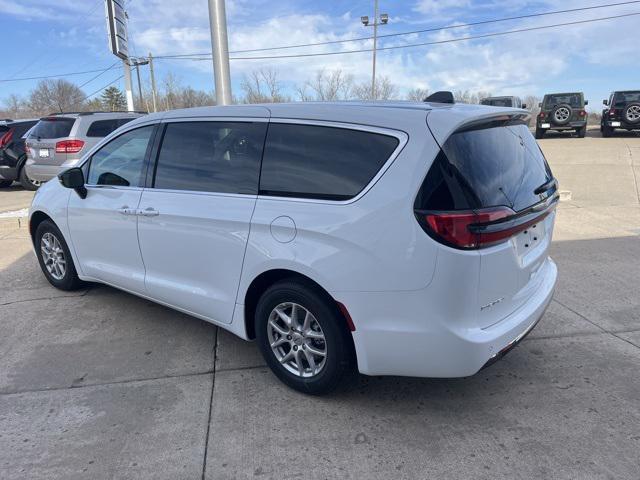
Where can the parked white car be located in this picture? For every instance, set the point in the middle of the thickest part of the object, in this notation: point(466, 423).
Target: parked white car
point(398, 238)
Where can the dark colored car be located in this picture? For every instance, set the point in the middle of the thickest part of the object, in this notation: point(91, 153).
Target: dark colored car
point(514, 102)
point(562, 112)
point(13, 153)
point(623, 112)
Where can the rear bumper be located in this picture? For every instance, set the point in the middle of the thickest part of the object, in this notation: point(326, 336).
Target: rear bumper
point(42, 173)
point(568, 126)
point(395, 334)
point(8, 173)
point(613, 123)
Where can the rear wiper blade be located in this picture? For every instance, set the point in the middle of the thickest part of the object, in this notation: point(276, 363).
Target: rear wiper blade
point(546, 186)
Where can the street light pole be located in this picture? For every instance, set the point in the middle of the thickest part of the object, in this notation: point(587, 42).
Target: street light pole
point(220, 47)
point(382, 19)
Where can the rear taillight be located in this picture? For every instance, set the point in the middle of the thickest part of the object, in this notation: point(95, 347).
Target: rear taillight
point(475, 229)
point(6, 138)
point(69, 146)
point(541, 115)
point(582, 113)
point(612, 112)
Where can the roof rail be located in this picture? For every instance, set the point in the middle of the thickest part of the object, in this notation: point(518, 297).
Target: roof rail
point(442, 96)
point(94, 111)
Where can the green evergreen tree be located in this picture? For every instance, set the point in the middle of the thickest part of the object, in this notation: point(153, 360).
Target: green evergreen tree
point(113, 99)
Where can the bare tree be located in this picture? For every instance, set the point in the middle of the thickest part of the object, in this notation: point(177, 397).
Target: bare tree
point(466, 96)
point(327, 87)
point(14, 107)
point(262, 86)
point(417, 94)
point(55, 95)
point(385, 90)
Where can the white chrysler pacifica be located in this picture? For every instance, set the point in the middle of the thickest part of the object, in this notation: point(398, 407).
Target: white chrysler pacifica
point(395, 238)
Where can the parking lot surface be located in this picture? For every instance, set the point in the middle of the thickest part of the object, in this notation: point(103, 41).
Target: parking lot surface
point(102, 384)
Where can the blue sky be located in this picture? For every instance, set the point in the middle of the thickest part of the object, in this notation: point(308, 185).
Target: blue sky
point(47, 37)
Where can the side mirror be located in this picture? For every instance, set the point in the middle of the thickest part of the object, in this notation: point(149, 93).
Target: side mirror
point(524, 105)
point(540, 105)
point(606, 102)
point(586, 102)
point(74, 178)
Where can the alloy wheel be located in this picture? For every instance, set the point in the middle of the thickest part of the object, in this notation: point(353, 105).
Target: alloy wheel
point(53, 256)
point(633, 113)
point(562, 114)
point(297, 340)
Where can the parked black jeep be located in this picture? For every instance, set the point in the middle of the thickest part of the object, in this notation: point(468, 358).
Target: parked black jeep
point(562, 111)
point(513, 102)
point(623, 112)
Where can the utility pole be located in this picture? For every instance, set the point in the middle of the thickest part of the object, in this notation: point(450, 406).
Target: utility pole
point(220, 47)
point(137, 62)
point(153, 83)
point(383, 19)
point(127, 85)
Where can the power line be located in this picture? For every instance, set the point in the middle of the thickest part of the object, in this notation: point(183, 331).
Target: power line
point(99, 90)
point(413, 32)
point(99, 74)
point(57, 75)
point(410, 45)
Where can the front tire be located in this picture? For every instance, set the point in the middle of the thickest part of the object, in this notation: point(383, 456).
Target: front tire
point(303, 337)
point(54, 257)
point(26, 182)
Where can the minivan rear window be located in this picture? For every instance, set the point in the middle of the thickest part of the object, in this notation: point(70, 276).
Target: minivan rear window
point(489, 165)
point(312, 161)
point(54, 127)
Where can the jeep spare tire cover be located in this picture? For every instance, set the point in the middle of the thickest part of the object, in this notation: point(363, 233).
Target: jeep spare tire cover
point(632, 112)
point(561, 114)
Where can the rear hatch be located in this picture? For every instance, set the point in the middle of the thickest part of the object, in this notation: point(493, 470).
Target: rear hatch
point(45, 135)
point(491, 190)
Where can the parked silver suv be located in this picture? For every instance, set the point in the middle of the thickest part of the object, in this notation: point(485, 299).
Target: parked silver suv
point(58, 141)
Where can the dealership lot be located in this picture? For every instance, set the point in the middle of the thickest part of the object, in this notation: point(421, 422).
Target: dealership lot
point(102, 384)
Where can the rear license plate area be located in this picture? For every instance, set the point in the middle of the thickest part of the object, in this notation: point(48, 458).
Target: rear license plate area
point(545, 125)
point(43, 153)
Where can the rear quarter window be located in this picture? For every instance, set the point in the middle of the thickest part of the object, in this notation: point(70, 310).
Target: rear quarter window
point(102, 128)
point(311, 161)
point(55, 127)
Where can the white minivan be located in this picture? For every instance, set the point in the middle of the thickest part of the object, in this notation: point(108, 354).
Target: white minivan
point(395, 238)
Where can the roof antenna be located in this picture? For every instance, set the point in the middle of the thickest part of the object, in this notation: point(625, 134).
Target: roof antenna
point(441, 97)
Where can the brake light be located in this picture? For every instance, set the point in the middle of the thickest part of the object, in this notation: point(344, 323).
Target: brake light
point(465, 229)
point(541, 115)
point(582, 113)
point(69, 146)
point(612, 112)
point(6, 138)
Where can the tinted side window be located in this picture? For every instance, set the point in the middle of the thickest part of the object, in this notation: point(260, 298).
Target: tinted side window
point(21, 128)
point(121, 161)
point(221, 157)
point(102, 128)
point(321, 162)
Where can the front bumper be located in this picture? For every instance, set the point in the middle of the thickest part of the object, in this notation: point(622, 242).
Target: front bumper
point(396, 333)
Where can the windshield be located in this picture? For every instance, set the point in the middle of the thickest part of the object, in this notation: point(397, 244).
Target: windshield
point(498, 102)
point(54, 127)
point(621, 98)
point(573, 99)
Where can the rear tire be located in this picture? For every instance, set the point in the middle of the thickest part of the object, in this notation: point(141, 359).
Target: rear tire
point(539, 133)
point(26, 182)
point(54, 257)
point(312, 356)
point(607, 131)
point(5, 183)
point(582, 131)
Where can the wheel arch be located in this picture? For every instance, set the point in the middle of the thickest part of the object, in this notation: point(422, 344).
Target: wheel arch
point(35, 220)
point(269, 277)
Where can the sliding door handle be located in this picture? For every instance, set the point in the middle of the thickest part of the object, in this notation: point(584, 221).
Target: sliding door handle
point(148, 212)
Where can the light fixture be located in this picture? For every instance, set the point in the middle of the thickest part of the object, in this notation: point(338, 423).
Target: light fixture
point(384, 18)
point(365, 20)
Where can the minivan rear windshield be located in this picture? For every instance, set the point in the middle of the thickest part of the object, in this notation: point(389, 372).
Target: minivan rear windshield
point(490, 166)
point(54, 127)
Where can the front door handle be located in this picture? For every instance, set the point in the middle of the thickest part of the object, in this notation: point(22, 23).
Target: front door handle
point(126, 210)
point(149, 212)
